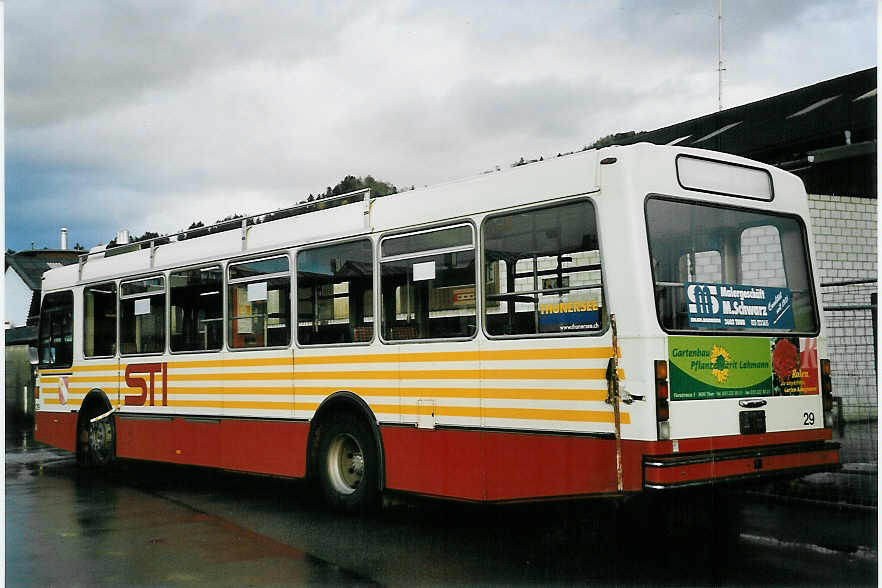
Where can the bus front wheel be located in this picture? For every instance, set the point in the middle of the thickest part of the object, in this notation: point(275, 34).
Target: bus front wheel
point(98, 442)
point(347, 463)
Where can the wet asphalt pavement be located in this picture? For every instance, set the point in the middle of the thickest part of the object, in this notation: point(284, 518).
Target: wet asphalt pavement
point(155, 524)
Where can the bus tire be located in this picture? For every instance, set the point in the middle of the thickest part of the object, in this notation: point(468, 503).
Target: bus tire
point(348, 464)
point(98, 442)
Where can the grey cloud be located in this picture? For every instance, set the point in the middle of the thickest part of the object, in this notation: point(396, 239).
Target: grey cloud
point(116, 110)
point(74, 59)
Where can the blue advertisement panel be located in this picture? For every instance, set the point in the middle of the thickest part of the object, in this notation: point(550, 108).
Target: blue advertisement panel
point(582, 315)
point(727, 306)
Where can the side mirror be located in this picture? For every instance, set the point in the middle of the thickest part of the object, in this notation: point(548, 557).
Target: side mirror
point(32, 355)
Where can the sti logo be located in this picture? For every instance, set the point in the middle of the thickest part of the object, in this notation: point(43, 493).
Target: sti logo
point(702, 299)
point(146, 391)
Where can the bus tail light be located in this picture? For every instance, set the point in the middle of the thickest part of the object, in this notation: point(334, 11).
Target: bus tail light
point(661, 370)
point(827, 391)
point(662, 409)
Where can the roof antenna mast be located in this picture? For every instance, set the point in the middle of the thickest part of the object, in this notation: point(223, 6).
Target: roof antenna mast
point(720, 68)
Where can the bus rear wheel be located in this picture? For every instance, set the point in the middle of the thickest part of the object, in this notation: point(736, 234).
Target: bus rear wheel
point(347, 465)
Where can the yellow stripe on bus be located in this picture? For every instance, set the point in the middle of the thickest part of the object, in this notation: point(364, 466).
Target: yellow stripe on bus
point(430, 357)
point(112, 378)
point(476, 374)
point(244, 362)
point(253, 390)
point(485, 393)
point(590, 416)
point(425, 357)
point(586, 416)
point(96, 367)
point(220, 405)
point(449, 374)
point(230, 376)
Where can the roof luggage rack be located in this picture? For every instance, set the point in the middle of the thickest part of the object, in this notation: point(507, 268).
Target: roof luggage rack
point(363, 195)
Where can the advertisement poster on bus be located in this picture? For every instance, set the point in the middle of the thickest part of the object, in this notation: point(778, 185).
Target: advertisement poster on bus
point(563, 317)
point(735, 367)
point(726, 306)
point(795, 366)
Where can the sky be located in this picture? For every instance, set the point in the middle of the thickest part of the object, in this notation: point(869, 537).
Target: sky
point(152, 115)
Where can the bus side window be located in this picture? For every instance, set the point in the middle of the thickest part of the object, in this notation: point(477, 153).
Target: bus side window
point(335, 294)
point(196, 315)
point(542, 272)
point(56, 330)
point(99, 320)
point(259, 303)
point(142, 316)
point(427, 280)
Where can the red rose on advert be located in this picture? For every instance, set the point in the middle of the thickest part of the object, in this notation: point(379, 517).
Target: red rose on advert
point(785, 359)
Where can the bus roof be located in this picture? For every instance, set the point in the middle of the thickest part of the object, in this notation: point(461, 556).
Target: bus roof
point(352, 215)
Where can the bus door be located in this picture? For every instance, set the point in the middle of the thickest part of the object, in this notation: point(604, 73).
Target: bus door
point(548, 322)
point(734, 296)
point(145, 421)
point(258, 372)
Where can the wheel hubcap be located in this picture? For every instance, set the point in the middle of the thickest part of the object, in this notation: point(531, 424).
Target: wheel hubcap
point(100, 438)
point(345, 464)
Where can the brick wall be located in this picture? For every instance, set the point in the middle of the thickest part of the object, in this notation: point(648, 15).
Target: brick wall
point(845, 248)
point(762, 262)
point(845, 236)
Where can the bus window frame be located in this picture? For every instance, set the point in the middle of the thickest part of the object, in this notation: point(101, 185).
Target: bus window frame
point(220, 265)
point(227, 282)
point(603, 282)
point(73, 330)
point(116, 284)
point(374, 285)
point(120, 298)
point(379, 259)
point(732, 332)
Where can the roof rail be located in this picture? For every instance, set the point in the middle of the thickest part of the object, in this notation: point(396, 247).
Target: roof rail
point(363, 195)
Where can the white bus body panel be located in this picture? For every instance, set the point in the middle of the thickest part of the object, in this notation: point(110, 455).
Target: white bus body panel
point(617, 190)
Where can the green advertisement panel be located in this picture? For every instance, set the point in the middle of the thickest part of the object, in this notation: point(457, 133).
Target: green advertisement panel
point(719, 367)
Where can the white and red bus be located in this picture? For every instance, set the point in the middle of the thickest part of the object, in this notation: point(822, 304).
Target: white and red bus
point(457, 341)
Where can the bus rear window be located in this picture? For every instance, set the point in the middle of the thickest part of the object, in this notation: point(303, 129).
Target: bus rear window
point(727, 269)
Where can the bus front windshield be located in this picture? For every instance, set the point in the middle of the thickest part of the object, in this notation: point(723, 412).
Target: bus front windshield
point(728, 269)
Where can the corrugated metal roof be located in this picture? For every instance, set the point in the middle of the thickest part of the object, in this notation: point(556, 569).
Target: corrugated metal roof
point(784, 130)
point(21, 336)
point(30, 264)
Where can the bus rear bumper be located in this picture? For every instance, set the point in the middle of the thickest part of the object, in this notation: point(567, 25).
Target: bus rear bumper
point(661, 472)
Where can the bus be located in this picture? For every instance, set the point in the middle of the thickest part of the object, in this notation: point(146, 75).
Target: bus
point(616, 322)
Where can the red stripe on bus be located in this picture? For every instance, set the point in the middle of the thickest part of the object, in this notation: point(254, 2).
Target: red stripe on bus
point(498, 466)
point(465, 464)
point(58, 429)
point(265, 447)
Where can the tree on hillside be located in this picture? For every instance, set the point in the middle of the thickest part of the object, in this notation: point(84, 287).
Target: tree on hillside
point(352, 183)
point(614, 139)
